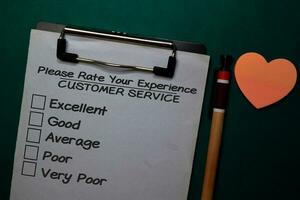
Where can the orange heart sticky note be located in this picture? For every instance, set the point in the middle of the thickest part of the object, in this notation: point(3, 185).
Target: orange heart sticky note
point(264, 83)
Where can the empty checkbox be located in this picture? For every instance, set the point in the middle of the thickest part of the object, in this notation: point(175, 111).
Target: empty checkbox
point(33, 135)
point(38, 101)
point(31, 152)
point(36, 118)
point(29, 168)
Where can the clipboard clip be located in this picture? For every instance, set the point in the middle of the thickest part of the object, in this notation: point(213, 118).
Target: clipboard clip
point(63, 55)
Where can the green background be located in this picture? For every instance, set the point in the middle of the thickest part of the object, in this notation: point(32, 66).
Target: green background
point(260, 151)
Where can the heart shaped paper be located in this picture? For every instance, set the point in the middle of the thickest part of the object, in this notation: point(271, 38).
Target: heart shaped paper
point(264, 83)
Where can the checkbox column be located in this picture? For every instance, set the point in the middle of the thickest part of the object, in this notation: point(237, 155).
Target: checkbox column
point(33, 136)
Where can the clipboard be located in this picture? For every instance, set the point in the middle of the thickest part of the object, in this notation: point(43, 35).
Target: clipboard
point(89, 131)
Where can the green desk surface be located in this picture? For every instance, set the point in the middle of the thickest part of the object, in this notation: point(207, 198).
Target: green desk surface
point(260, 154)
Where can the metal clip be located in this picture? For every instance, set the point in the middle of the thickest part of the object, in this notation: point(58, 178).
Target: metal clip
point(63, 55)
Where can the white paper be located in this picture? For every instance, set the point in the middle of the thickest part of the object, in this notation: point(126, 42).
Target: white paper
point(141, 148)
